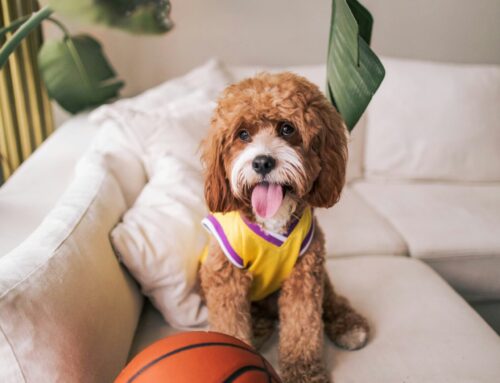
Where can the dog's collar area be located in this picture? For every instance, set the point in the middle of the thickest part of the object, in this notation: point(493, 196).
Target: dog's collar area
point(275, 238)
point(272, 237)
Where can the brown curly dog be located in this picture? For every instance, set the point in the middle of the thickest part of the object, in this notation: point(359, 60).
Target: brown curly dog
point(276, 149)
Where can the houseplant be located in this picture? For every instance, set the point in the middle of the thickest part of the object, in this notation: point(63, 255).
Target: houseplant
point(74, 69)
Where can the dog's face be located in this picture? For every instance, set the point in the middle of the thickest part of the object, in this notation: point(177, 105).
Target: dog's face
point(274, 136)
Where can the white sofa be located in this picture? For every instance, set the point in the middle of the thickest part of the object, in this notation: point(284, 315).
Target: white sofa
point(70, 312)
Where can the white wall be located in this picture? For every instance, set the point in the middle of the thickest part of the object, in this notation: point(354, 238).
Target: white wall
point(289, 32)
point(466, 31)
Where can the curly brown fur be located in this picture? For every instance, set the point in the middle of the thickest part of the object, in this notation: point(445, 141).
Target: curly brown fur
point(226, 293)
point(301, 324)
point(306, 303)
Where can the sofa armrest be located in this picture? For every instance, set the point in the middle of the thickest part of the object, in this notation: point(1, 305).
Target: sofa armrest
point(68, 311)
point(33, 190)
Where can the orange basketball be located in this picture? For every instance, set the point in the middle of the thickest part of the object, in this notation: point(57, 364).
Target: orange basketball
point(204, 357)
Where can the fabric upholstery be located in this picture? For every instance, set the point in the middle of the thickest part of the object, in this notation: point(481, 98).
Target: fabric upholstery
point(422, 330)
point(353, 227)
point(137, 131)
point(162, 129)
point(67, 309)
point(161, 238)
point(431, 121)
point(454, 228)
point(120, 151)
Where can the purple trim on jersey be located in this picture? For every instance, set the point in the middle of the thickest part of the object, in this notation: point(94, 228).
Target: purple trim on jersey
point(268, 237)
point(307, 240)
point(261, 233)
point(292, 226)
point(223, 240)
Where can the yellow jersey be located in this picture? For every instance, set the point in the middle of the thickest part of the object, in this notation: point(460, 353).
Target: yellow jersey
point(269, 257)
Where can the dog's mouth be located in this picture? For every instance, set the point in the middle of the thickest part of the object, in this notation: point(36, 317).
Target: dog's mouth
point(267, 198)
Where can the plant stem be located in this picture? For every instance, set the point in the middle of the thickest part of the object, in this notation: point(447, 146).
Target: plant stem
point(33, 22)
point(12, 26)
point(61, 26)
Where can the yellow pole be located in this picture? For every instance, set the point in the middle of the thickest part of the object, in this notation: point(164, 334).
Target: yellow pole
point(25, 109)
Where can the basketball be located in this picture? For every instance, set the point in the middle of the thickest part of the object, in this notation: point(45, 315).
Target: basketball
point(199, 356)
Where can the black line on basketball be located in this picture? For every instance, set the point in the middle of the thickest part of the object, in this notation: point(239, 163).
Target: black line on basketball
point(186, 348)
point(241, 371)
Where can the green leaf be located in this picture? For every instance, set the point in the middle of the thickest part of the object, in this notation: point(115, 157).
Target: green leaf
point(137, 16)
point(76, 73)
point(354, 72)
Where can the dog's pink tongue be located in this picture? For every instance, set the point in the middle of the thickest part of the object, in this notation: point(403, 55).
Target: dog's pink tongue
point(266, 199)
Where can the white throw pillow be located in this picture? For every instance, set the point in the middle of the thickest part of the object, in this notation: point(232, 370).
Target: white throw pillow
point(160, 238)
point(120, 152)
point(127, 125)
point(434, 121)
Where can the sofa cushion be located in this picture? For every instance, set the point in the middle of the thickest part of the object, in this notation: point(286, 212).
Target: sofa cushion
point(67, 309)
point(317, 75)
point(120, 152)
point(353, 227)
point(422, 330)
point(454, 228)
point(136, 132)
point(431, 121)
point(161, 238)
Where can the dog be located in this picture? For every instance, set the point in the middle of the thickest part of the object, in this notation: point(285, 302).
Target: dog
point(276, 149)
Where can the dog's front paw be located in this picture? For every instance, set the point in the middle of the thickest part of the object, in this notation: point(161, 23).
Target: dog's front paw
point(353, 339)
point(350, 333)
point(302, 372)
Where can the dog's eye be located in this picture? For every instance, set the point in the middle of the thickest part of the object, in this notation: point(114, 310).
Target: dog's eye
point(286, 129)
point(244, 135)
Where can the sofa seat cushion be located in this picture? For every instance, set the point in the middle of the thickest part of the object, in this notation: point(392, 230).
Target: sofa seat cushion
point(353, 227)
point(422, 330)
point(454, 228)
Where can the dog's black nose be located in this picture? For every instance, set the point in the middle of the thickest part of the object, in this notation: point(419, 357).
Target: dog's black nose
point(263, 164)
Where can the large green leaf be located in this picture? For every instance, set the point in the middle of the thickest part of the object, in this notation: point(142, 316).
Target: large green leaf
point(76, 73)
point(138, 16)
point(354, 72)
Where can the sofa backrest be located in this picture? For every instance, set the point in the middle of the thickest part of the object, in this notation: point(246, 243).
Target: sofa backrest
point(435, 121)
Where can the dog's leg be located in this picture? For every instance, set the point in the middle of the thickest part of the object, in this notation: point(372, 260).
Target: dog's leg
point(226, 291)
point(344, 326)
point(301, 324)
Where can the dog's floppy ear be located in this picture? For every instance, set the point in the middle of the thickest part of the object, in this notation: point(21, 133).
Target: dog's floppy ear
point(331, 147)
point(218, 194)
